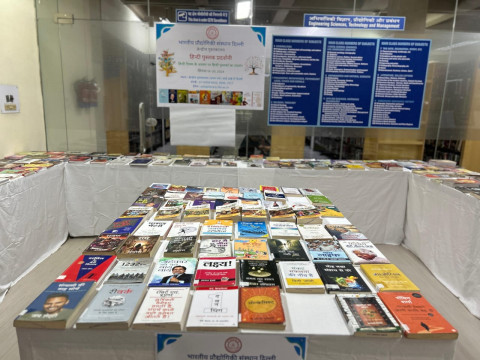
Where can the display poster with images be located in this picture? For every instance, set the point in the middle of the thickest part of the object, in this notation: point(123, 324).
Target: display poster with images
point(210, 65)
point(348, 82)
point(224, 346)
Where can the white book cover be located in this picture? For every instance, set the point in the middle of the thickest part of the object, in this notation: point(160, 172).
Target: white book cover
point(283, 229)
point(306, 191)
point(184, 229)
point(218, 247)
point(300, 276)
point(128, 271)
point(336, 221)
point(163, 308)
point(299, 202)
point(313, 231)
point(288, 191)
point(363, 252)
point(217, 228)
point(214, 309)
point(154, 228)
point(175, 195)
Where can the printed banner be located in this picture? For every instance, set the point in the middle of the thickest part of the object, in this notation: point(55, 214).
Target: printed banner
point(220, 346)
point(210, 65)
point(355, 22)
point(194, 16)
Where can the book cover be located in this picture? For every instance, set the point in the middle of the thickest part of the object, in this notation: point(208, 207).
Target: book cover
point(184, 229)
point(329, 211)
point(274, 196)
point(293, 192)
point(251, 229)
point(258, 273)
point(113, 307)
point(213, 309)
point(254, 214)
point(141, 162)
point(314, 232)
point(137, 211)
point(319, 199)
point(283, 230)
point(282, 213)
point(388, 277)
point(162, 309)
point(417, 317)
point(181, 246)
point(229, 211)
point(197, 214)
point(88, 268)
point(57, 307)
point(363, 252)
point(123, 226)
point(345, 232)
point(106, 244)
point(158, 191)
point(216, 247)
point(148, 201)
point(216, 271)
point(173, 272)
point(261, 308)
point(341, 278)
point(269, 188)
point(367, 316)
point(255, 249)
point(287, 250)
point(300, 277)
point(154, 228)
point(172, 214)
point(308, 215)
point(217, 228)
point(310, 191)
point(326, 251)
point(139, 246)
point(128, 271)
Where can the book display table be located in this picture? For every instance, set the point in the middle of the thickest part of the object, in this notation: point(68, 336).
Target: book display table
point(33, 223)
point(328, 338)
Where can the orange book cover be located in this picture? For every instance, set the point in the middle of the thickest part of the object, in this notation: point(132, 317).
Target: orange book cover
point(261, 307)
point(418, 318)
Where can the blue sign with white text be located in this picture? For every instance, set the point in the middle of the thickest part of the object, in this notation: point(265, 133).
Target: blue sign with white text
point(355, 22)
point(203, 16)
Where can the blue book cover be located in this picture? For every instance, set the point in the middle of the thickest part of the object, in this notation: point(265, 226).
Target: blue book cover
point(251, 229)
point(252, 196)
point(326, 251)
point(173, 272)
point(123, 226)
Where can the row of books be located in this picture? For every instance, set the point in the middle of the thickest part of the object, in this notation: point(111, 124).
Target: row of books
point(361, 306)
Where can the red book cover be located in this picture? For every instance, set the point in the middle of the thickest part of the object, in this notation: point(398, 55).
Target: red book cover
point(87, 268)
point(418, 318)
point(218, 271)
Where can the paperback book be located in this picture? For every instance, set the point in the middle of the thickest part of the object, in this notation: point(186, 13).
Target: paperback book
point(173, 272)
point(88, 268)
point(181, 246)
point(251, 229)
point(287, 250)
point(217, 229)
point(314, 232)
point(184, 229)
point(113, 307)
point(154, 228)
point(216, 247)
point(172, 214)
point(254, 249)
point(341, 278)
point(300, 277)
point(363, 252)
point(163, 309)
point(229, 211)
point(308, 215)
point(345, 232)
point(329, 211)
point(319, 199)
point(140, 246)
point(283, 230)
point(216, 272)
point(328, 250)
point(258, 273)
point(261, 308)
point(388, 277)
point(129, 271)
point(106, 244)
point(123, 226)
point(137, 211)
point(282, 213)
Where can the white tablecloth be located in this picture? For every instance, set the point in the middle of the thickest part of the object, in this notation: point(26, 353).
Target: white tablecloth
point(328, 338)
point(374, 201)
point(443, 230)
point(33, 223)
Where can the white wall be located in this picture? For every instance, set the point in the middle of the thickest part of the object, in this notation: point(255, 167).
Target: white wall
point(19, 65)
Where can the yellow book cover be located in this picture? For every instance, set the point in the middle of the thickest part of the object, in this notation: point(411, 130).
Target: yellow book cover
point(388, 277)
point(329, 211)
point(252, 249)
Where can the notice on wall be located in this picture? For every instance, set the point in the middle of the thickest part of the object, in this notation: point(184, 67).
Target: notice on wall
point(210, 65)
point(348, 82)
point(9, 99)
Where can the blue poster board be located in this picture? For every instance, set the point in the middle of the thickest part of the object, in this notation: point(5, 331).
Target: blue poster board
point(295, 80)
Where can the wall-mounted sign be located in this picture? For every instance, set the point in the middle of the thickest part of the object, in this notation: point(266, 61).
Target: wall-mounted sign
point(355, 22)
point(348, 82)
point(221, 66)
point(194, 16)
point(9, 99)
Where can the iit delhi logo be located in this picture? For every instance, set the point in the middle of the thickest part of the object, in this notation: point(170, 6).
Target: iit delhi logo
point(212, 32)
point(233, 345)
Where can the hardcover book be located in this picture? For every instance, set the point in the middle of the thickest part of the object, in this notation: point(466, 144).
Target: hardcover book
point(363, 252)
point(213, 309)
point(216, 247)
point(388, 277)
point(300, 277)
point(217, 228)
point(154, 228)
point(106, 244)
point(341, 278)
point(366, 315)
point(113, 307)
point(251, 229)
point(163, 309)
point(287, 250)
point(57, 307)
point(139, 246)
point(123, 226)
point(88, 268)
point(417, 317)
point(261, 308)
point(345, 232)
point(258, 273)
point(184, 229)
point(215, 272)
point(326, 251)
point(283, 230)
point(254, 249)
point(181, 246)
point(129, 271)
point(173, 272)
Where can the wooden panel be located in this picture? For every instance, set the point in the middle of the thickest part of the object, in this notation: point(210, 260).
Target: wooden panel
point(288, 142)
point(471, 155)
point(117, 142)
point(471, 148)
